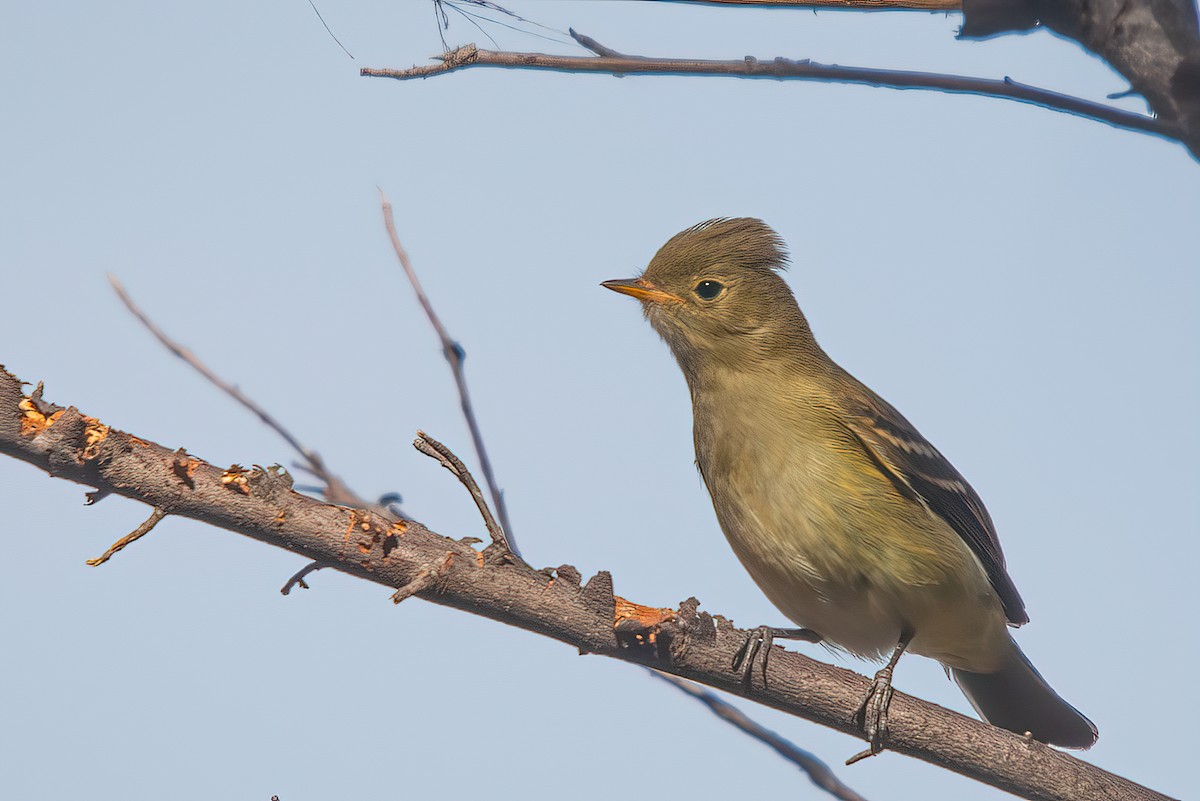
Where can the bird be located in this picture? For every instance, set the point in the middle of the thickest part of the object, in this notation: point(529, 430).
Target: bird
point(851, 523)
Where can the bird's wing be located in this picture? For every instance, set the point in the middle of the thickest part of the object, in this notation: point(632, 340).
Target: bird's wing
point(909, 461)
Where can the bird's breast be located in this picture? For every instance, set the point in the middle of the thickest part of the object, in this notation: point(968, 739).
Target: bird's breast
point(822, 531)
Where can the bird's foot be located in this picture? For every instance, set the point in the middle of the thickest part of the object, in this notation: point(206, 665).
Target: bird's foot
point(872, 714)
point(759, 640)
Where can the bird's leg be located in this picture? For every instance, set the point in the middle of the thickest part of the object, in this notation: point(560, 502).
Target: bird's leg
point(760, 639)
point(872, 713)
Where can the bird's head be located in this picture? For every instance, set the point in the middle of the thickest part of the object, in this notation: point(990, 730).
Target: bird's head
point(714, 293)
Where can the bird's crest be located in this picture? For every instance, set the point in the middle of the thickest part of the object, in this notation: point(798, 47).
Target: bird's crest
point(735, 241)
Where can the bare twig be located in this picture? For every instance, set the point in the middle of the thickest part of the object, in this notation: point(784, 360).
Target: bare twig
point(485, 5)
point(820, 773)
point(130, 538)
point(328, 30)
point(431, 447)
point(335, 489)
point(781, 69)
point(297, 579)
point(853, 5)
point(455, 355)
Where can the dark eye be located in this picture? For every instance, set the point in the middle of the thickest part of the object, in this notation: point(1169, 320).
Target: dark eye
point(709, 289)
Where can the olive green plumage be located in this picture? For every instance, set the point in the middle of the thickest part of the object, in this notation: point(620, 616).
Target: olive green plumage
point(852, 524)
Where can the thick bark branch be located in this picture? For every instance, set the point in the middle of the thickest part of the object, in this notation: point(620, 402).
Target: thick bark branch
point(261, 504)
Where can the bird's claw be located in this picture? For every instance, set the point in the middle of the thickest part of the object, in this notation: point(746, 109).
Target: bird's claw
point(872, 715)
point(759, 640)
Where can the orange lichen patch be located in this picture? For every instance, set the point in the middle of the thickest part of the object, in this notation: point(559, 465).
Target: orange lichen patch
point(647, 617)
point(184, 466)
point(398, 528)
point(364, 546)
point(95, 434)
point(34, 422)
point(235, 478)
point(280, 517)
point(135, 441)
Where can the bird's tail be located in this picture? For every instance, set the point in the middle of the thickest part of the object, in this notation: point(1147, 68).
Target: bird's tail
point(1017, 698)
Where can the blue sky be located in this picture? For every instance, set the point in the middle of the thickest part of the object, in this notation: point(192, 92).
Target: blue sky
point(1022, 284)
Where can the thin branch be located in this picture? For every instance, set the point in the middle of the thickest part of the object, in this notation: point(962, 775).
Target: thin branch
point(328, 30)
point(820, 773)
point(335, 489)
point(851, 5)
point(686, 642)
point(783, 69)
point(130, 538)
point(455, 355)
point(476, 18)
point(431, 447)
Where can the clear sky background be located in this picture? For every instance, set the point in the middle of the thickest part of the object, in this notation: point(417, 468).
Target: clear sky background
point(1022, 284)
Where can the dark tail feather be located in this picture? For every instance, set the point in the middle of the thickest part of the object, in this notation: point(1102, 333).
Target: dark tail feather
point(1018, 699)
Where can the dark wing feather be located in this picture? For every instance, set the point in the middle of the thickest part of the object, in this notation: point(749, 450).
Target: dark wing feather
point(907, 459)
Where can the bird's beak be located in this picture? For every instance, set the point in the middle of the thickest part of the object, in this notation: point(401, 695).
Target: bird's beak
point(641, 289)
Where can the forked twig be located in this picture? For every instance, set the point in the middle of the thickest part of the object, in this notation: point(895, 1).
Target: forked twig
point(297, 579)
point(455, 355)
point(434, 449)
point(130, 538)
point(820, 773)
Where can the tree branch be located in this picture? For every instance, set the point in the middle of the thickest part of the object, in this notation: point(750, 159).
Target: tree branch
point(781, 69)
point(446, 457)
point(685, 642)
point(852, 5)
point(455, 355)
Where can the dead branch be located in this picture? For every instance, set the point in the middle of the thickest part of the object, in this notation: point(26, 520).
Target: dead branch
point(436, 450)
point(685, 642)
point(298, 578)
point(853, 5)
point(783, 69)
point(131, 537)
point(455, 355)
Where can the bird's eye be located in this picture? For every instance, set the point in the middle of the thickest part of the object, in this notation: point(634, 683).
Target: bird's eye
point(709, 289)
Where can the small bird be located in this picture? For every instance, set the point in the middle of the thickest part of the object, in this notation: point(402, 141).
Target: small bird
point(849, 520)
